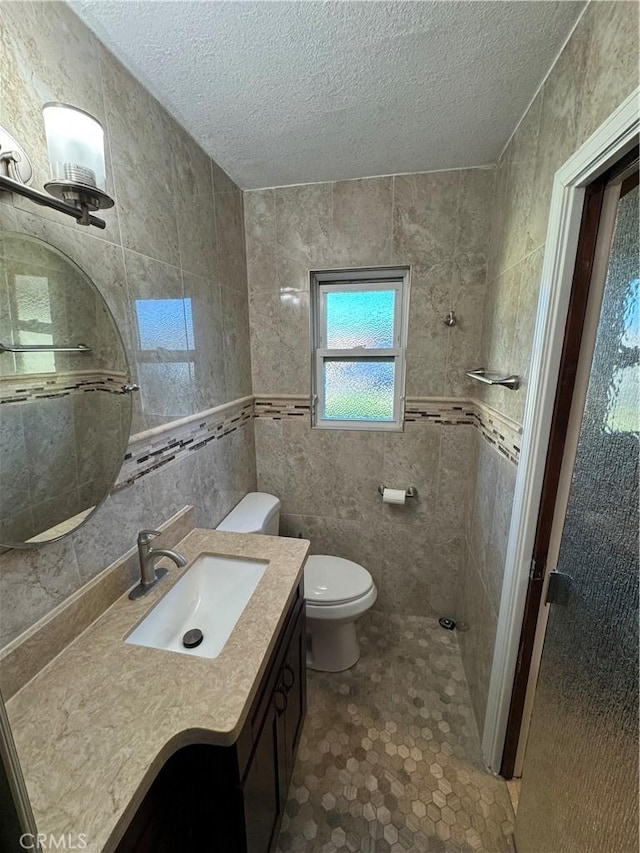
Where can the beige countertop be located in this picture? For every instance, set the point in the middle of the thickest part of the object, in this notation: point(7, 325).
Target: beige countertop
point(95, 726)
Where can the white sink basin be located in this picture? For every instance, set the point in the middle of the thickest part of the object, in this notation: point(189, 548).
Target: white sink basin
point(210, 596)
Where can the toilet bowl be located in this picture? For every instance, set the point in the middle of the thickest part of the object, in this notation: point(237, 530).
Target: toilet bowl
point(336, 591)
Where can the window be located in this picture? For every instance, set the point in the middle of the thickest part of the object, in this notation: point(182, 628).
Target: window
point(359, 322)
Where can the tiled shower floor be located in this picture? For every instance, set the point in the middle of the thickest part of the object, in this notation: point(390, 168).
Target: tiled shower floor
point(389, 758)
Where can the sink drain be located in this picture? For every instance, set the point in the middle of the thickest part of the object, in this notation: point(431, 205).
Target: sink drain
point(192, 638)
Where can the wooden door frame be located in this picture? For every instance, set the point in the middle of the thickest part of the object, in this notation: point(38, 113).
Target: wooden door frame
point(615, 138)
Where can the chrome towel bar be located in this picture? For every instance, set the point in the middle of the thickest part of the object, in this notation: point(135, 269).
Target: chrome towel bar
point(481, 374)
point(44, 348)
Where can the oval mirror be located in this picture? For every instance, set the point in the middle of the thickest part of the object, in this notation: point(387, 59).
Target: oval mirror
point(64, 415)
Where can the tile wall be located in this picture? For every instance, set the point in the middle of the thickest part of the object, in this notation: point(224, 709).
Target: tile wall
point(596, 71)
point(176, 232)
point(327, 480)
point(475, 240)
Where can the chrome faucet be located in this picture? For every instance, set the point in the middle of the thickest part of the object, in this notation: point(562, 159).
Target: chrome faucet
point(149, 575)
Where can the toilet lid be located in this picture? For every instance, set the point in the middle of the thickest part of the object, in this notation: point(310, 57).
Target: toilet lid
point(334, 580)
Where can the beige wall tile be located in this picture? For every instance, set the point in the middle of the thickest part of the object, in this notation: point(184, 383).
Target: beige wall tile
point(32, 583)
point(476, 635)
point(271, 464)
point(498, 336)
point(473, 220)
point(428, 338)
point(222, 183)
point(341, 537)
point(260, 230)
point(519, 239)
point(178, 222)
point(424, 217)
point(520, 360)
point(438, 222)
point(483, 504)
point(328, 480)
point(465, 341)
point(612, 71)
point(456, 470)
point(142, 163)
point(595, 72)
point(267, 347)
point(412, 458)
point(420, 572)
point(194, 205)
point(234, 310)
point(562, 96)
point(496, 550)
point(303, 224)
point(231, 267)
point(361, 220)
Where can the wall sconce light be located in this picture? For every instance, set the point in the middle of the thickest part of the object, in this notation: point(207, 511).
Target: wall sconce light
point(75, 142)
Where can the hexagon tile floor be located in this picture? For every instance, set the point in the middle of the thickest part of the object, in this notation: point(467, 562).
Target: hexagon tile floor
point(389, 758)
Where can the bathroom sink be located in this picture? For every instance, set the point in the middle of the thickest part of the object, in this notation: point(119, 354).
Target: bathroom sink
point(202, 609)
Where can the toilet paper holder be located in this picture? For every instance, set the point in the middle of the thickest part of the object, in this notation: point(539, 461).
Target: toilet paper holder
point(410, 491)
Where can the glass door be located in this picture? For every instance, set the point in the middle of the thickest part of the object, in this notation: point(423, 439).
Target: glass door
point(580, 776)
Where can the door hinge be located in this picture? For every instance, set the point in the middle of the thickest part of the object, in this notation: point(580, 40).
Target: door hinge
point(536, 570)
point(559, 588)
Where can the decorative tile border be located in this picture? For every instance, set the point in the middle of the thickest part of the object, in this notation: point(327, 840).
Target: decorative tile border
point(163, 445)
point(449, 411)
point(28, 389)
point(501, 432)
point(498, 430)
point(277, 408)
point(152, 450)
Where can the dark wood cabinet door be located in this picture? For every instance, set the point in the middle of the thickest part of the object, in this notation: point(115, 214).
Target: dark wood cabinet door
point(294, 683)
point(262, 788)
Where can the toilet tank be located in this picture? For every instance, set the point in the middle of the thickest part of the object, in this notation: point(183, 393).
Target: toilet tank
point(257, 512)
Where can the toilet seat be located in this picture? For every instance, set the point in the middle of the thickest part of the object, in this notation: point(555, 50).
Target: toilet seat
point(331, 581)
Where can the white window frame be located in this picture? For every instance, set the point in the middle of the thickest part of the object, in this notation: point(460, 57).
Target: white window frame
point(379, 278)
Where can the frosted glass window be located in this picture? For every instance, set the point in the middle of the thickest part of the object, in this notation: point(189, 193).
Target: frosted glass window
point(360, 318)
point(358, 390)
point(359, 321)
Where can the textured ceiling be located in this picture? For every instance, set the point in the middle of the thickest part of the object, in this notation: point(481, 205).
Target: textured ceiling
point(294, 92)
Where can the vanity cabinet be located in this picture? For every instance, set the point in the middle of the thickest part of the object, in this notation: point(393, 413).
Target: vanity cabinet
point(231, 799)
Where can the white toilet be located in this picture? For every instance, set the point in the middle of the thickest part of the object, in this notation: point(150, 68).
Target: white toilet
point(336, 591)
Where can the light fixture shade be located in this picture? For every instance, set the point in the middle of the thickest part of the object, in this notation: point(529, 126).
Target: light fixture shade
point(75, 141)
